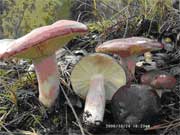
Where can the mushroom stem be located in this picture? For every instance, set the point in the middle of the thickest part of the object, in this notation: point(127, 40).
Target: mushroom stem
point(148, 57)
point(95, 101)
point(47, 75)
point(131, 64)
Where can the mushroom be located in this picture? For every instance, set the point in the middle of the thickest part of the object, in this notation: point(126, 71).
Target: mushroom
point(96, 78)
point(40, 45)
point(148, 57)
point(135, 104)
point(158, 80)
point(129, 48)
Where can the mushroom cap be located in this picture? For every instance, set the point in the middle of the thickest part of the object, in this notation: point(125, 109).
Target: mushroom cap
point(44, 41)
point(158, 79)
point(126, 47)
point(135, 104)
point(95, 64)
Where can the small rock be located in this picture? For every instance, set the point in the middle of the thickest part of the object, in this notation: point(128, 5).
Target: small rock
point(31, 68)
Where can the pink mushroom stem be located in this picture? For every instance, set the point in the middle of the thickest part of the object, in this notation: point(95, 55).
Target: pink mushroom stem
point(130, 62)
point(95, 101)
point(48, 82)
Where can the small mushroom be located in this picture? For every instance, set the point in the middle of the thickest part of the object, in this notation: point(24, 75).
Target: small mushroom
point(135, 104)
point(148, 57)
point(96, 78)
point(40, 45)
point(159, 80)
point(129, 48)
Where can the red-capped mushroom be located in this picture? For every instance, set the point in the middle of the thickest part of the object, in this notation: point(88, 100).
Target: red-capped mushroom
point(129, 48)
point(135, 104)
point(40, 45)
point(159, 80)
point(96, 78)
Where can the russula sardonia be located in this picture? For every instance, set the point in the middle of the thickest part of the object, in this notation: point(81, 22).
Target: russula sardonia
point(129, 48)
point(135, 104)
point(96, 78)
point(159, 80)
point(40, 45)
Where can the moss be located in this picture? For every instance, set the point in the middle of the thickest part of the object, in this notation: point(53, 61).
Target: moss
point(37, 120)
point(56, 120)
point(11, 88)
point(2, 72)
point(99, 26)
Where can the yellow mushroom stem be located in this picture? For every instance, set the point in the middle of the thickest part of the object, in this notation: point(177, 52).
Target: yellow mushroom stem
point(148, 57)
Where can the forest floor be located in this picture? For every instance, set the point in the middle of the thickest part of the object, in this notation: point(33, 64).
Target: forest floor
point(21, 112)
